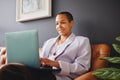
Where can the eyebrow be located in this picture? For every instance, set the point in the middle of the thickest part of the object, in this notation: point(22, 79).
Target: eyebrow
point(60, 20)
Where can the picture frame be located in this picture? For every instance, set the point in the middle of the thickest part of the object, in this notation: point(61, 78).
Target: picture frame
point(27, 10)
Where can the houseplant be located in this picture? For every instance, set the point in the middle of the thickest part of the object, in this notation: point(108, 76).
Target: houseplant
point(112, 72)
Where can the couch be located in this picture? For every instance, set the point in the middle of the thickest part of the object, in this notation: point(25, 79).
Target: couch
point(98, 51)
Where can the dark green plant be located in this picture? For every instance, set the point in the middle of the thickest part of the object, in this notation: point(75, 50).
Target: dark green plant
point(110, 73)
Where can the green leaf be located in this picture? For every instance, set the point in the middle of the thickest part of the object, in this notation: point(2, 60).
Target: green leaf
point(112, 59)
point(117, 38)
point(107, 74)
point(116, 47)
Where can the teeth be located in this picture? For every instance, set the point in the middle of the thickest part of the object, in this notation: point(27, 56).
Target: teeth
point(60, 31)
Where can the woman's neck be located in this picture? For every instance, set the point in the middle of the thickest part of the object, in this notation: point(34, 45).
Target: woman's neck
point(62, 39)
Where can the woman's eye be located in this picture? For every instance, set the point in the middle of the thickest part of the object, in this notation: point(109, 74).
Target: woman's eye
point(56, 23)
point(63, 22)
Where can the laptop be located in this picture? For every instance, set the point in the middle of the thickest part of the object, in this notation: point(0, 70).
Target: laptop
point(22, 47)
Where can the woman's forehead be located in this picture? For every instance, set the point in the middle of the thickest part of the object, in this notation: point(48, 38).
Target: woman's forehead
point(61, 17)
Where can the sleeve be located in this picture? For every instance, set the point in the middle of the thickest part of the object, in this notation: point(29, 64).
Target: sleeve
point(45, 48)
point(81, 63)
point(42, 52)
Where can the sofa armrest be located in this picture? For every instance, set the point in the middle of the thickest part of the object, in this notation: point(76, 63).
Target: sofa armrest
point(86, 76)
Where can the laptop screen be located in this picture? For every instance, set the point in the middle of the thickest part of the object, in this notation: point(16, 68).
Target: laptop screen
point(22, 47)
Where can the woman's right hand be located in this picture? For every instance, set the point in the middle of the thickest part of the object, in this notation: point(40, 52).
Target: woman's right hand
point(48, 62)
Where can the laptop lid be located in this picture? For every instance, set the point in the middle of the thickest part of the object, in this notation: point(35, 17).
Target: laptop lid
point(22, 47)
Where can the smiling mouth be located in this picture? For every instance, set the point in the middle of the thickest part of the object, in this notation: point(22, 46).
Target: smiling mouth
point(60, 30)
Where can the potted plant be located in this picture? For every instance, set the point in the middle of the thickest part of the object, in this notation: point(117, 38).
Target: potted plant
point(113, 72)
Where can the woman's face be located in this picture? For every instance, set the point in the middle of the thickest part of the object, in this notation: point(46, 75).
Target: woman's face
point(63, 25)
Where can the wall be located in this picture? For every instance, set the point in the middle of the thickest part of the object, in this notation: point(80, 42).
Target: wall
point(97, 19)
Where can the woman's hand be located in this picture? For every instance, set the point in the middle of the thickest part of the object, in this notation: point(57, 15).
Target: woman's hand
point(48, 62)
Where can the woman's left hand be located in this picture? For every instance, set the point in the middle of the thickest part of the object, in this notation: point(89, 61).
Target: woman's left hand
point(48, 62)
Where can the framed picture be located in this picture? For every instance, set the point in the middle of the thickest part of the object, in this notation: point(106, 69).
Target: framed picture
point(32, 9)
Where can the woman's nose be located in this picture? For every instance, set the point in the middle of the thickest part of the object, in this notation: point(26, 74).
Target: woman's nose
point(59, 25)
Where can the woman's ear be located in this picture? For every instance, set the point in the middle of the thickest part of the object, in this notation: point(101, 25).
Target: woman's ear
point(72, 23)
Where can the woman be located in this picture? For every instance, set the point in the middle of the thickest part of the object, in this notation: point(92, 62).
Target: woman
point(67, 52)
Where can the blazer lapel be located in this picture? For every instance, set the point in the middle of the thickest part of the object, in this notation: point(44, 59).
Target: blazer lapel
point(66, 44)
point(50, 46)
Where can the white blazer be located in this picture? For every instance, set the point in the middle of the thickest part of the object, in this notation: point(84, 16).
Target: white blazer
point(74, 57)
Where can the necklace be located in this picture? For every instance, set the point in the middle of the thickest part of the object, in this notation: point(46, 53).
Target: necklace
point(56, 49)
point(57, 46)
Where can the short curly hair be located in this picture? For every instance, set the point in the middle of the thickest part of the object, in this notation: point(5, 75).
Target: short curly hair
point(68, 14)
